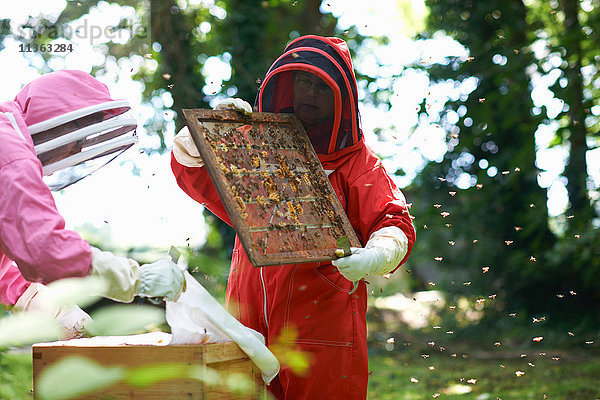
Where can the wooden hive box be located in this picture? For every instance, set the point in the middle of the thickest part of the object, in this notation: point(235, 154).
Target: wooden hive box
point(223, 357)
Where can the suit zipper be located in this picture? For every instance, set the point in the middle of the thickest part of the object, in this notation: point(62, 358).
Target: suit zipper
point(264, 288)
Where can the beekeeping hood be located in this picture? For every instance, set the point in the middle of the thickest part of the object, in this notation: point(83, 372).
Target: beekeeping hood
point(329, 59)
point(75, 125)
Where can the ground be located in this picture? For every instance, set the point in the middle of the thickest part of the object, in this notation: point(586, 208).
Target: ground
point(405, 372)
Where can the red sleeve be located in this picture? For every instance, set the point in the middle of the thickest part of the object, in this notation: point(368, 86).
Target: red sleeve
point(196, 183)
point(373, 201)
point(376, 202)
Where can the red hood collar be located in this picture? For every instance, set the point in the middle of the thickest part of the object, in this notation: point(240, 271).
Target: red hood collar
point(329, 59)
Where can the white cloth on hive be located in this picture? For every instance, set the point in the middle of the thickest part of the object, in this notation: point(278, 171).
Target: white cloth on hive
point(197, 317)
point(150, 339)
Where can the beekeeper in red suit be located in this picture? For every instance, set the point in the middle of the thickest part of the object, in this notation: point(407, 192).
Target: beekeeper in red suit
point(57, 130)
point(314, 79)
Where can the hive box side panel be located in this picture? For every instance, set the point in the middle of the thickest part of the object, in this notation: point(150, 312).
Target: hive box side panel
point(224, 357)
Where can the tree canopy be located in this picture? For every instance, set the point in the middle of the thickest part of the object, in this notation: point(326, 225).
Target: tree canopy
point(484, 199)
point(527, 82)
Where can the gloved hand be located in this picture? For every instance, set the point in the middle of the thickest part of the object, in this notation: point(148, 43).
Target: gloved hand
point(162, 278)
point(235, 104)
point(125, 278)
point(39, 298)
point(185, 150)
point(121, 274)
point(382, 253)
point(75, 322)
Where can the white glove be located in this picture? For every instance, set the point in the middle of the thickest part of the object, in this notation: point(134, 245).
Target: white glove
point(185, 150)
point(383, 252)
point(39, 298)
point(121, 274)
point(75, 322)
point(125, 278)
point(162, 278)
point(235, 104)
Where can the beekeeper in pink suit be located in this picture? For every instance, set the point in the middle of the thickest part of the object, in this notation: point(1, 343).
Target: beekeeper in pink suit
point(59, 128)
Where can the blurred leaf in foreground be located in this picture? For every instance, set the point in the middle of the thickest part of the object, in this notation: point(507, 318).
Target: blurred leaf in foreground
point(86, 376)
point(152, 374)
point(81, 291)
point(27, 328)
point(126, 319)
point(82, 375)
point(239, 383)
point(288, 353)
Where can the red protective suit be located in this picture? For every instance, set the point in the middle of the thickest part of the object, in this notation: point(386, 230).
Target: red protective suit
point(32, 232)
point(312, 300)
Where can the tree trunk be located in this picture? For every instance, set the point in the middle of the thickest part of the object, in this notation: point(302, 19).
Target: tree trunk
point(576, 169)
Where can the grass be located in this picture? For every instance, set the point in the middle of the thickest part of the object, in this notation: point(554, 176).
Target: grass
point(16, 376)
point(417, 374)
point(440, 375)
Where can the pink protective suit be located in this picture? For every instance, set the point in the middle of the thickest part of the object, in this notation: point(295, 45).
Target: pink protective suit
point(34, 244)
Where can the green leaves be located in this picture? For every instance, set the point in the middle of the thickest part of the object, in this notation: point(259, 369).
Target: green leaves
point(74, 376)
point(152, 374)
point(515, 48)
point(80, 291)
point(22, 329)
point(126, 319)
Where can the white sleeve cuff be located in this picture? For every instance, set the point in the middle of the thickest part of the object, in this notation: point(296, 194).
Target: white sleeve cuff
point(121, 274)
point(393, 243)
point(39, 298)
point(235, 103)
point(185, 151)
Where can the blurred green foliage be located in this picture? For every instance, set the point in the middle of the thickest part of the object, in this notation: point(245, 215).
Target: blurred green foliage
point(490, 242)
point(487, 234)
point(87, 377)
point(16, 375)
